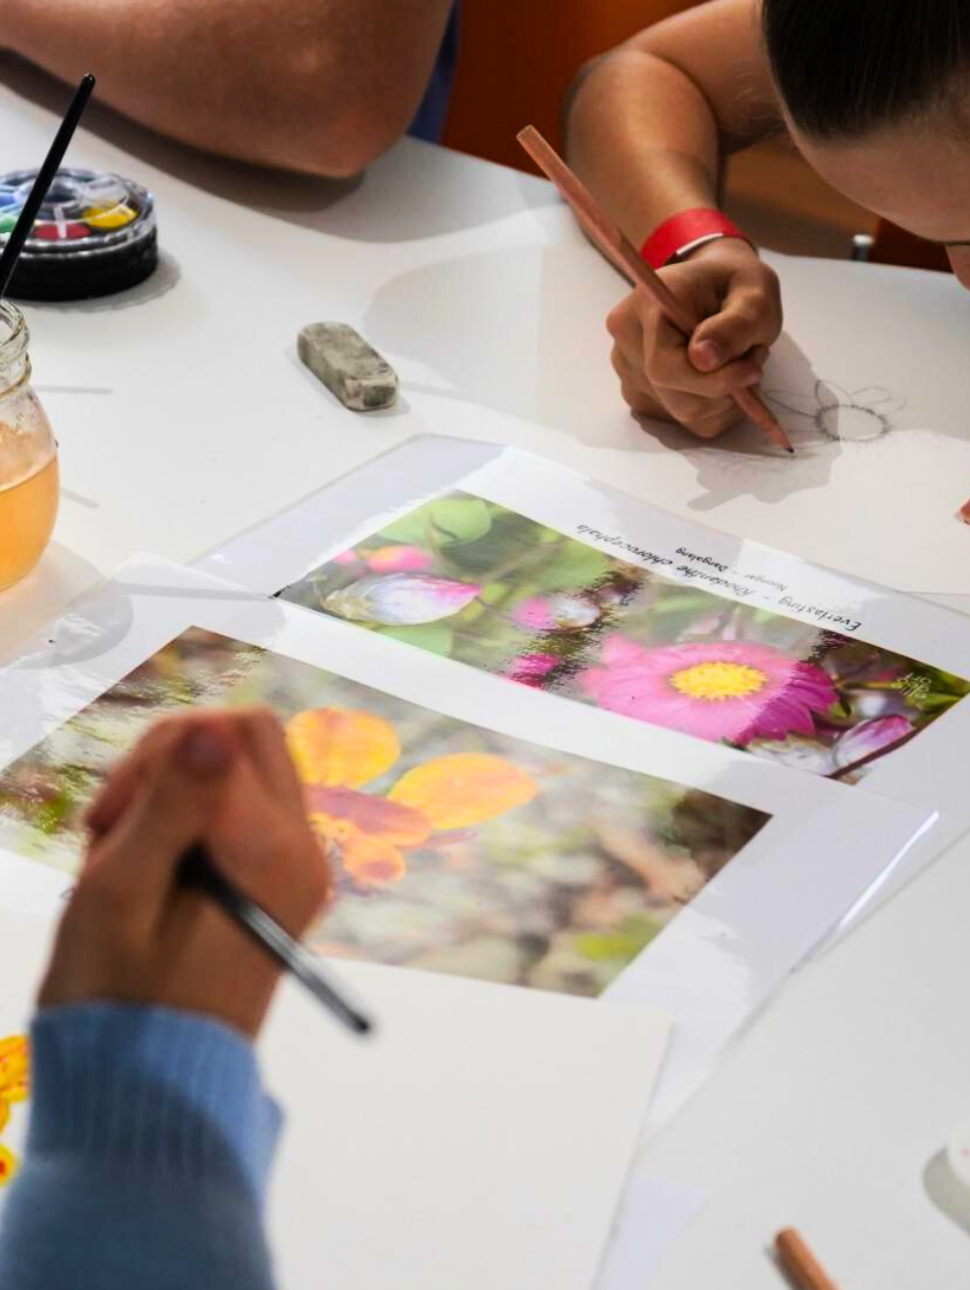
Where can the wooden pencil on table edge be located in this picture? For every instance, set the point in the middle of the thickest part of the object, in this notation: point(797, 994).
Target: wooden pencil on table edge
point(622, 254)
point(799, 1263)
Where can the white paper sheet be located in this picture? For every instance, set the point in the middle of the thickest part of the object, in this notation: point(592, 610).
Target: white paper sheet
point(477, 1124)
point(871, 381)
point(654, 1214)
point(712, 964)
point(927, 772)
point(447, 1150)
point(878, 508)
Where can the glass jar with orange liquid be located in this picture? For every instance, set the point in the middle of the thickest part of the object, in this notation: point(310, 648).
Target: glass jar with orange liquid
point(29, 485)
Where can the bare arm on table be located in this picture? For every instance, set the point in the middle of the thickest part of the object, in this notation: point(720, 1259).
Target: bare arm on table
point(320, 86)
point(649, 127)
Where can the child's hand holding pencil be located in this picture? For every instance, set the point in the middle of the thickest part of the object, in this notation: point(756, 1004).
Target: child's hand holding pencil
point(691, 379)
point(691, 344)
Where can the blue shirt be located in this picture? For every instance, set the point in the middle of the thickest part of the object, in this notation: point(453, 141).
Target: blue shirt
point(148, 1150)
point(429, 122)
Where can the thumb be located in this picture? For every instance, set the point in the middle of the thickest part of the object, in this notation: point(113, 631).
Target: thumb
point(139, 858)
point(745, 321)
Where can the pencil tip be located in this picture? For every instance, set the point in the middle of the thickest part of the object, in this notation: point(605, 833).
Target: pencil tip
point(790, 450)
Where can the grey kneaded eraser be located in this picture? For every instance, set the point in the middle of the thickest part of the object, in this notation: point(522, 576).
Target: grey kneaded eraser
point(350, 368)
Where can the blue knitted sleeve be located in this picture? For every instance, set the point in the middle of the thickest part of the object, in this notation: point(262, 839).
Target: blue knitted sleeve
point(148, 1150)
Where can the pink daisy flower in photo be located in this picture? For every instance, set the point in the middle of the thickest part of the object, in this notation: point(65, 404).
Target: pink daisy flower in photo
point(726, 690)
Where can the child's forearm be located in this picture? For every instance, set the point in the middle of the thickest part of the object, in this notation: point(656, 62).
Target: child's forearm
point(643, 140)
point(649, 125)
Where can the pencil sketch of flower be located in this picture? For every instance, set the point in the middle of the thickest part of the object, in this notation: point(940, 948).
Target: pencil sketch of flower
point(14, 1087)
point(338, 752)
point(731, 690)
point(840, 416)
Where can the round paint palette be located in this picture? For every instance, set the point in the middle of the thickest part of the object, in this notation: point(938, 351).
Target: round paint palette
point(95, 235)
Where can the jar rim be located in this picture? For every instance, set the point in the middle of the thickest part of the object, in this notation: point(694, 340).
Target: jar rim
point(14, 335)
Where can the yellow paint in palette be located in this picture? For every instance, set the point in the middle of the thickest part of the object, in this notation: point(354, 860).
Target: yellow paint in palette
point(109, 216)
point(14, 1087)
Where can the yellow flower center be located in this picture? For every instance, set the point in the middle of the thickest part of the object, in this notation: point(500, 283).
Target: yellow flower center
point(715, 681)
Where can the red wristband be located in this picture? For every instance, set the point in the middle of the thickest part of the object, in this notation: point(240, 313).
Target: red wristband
point(685, 231)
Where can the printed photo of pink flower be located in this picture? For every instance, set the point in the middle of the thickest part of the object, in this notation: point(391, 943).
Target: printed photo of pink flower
point(476, 582)
point(729, 690)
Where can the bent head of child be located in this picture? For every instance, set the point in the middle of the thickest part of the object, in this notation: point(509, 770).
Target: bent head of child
point(877, 96)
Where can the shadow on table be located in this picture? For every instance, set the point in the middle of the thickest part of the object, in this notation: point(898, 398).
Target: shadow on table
point(518, 329)
point(522, 330)
point(28, 605)
point(741, 462)
point(408, 195)
point(163, 280)
point(946, 1192)
point(76, 638)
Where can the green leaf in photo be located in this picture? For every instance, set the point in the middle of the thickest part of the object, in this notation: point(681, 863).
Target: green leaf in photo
point(621, 945)
point(452, 519)
point(690, 602)
point(572, 567)
point(436, 638)
point(950, 684)
point(936, 702)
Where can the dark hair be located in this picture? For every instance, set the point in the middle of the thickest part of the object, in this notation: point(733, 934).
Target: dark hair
point(844, 67)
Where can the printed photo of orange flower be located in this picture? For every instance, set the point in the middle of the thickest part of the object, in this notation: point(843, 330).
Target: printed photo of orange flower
point(14, 1088)
point(454, 848)
point(337, 752)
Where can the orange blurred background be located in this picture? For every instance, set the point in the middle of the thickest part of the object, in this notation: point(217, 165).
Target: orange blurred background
point(517, 61)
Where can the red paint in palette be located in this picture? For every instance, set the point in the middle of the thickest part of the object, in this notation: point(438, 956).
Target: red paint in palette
point(72, 232)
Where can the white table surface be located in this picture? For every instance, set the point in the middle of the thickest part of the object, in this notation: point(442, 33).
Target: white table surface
point(184, 417)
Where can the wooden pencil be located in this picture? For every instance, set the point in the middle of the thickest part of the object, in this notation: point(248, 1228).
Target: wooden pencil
point(621, 253)
point(800, 1264)
point(963, 513)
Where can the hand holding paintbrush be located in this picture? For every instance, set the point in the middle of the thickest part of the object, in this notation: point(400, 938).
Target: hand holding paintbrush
point(623, 255)
point(196, 835)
